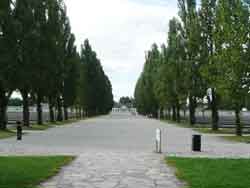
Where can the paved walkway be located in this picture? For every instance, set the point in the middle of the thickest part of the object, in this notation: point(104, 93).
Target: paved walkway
point(116, 170)
point(116, 151)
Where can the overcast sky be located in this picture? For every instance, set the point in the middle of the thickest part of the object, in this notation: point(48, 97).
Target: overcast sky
point(120, 31)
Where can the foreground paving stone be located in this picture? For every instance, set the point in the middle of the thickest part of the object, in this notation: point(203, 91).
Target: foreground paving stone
point(116, 170)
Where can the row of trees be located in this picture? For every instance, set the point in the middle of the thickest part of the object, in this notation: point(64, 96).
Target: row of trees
point(39, 58)
point(127, 101)
point(207, 55)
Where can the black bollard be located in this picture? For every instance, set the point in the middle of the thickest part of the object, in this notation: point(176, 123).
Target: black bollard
point(19, 130)
point(196, 143)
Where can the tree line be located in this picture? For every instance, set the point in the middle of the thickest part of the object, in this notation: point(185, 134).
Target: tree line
point(39, 58)
point(207, 56)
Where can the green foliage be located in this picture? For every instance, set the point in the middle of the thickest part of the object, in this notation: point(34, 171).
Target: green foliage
point(231, 37)
point(15, 102)
point(127, 101)
point(207, 49)
point(38, 57)
point(171, 83)
point(7, 58)
point(145, 98)
point(95, 90)
point(163, 82)
point(232, 48)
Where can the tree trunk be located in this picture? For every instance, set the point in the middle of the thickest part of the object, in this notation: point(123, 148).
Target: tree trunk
point(174, 113)
point(178, 115)
point(214, 108)
point(3, 115)
point(155, 114)
point(238, 123)
point(26, 112)
point(39, 110)
point(59, 109)
point(66, 115)
point(78, 113)
point(169, 113)
point(184, 113)
point(161, 113)
point(192, 106)
point(51, 111)
point(75, 113)
point(83, 113)
point(4, 100)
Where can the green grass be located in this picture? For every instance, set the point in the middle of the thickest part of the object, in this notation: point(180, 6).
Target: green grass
point(6, 134)
point(65, 122)
point(244, 139)
point(220, 131)
point(200, 129)
point(212, 173)
point(35, 127)
point(45, 126)
point(29, 172)
point(181, 124)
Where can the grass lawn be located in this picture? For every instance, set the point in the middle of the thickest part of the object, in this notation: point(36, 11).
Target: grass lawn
point(6, 134)
point(245, 139)
point(35, 127)
point(220, 131)
point(65, 122)
point(212, 173)
point(181, 124)
point(201, 129)
point(29, 172)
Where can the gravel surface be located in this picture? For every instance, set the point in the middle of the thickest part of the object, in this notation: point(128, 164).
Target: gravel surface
point(117, 151)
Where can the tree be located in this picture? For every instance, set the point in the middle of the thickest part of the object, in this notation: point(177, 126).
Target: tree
point(15, 102)
point(207, 20)
point(175, 69)
point(26, 35)
point(145, 98)
point(126, 101)
point(38, 57)
point(191, 27)
point(8, 58)
point(71, 76)
point(232, 48)
point(95, 90)
point(56, 28)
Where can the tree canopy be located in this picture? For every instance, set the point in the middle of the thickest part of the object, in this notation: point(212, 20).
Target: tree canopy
point(39, 58)
point(206, 56)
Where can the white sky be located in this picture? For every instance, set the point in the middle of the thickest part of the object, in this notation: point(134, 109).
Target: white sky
point(120, 31)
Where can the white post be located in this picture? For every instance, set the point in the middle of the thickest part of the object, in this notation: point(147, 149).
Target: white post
point(158, 140)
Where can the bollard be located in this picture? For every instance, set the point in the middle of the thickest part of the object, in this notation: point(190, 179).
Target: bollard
point(158, 140)
point(196, 143)
point(19, 130)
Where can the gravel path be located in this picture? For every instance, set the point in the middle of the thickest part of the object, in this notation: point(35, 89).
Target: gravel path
point(115, 170)
point(116, 151)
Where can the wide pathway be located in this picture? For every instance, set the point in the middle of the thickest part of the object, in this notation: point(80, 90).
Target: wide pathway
point(117, 151)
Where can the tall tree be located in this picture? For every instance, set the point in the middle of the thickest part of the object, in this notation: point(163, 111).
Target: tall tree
point(71, 75)
point(146, 100)
point(95, 88)
point(207, 20)
point(232, 47)
point(8, 58)
point(189, 16)
point(26, 35)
